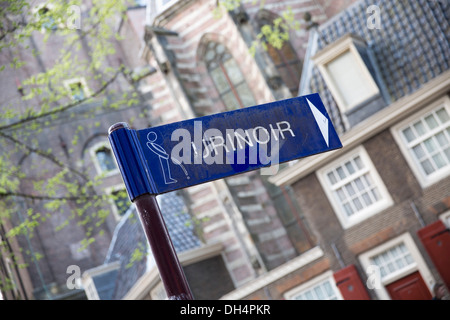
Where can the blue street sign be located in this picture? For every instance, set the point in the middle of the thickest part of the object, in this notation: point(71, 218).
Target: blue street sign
point(186, 153)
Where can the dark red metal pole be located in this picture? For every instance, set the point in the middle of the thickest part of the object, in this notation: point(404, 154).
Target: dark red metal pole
point(170, 270)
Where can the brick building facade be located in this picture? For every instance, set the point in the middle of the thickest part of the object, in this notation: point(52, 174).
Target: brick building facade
point(195, 52)
point(394, 243)
point(273, 239)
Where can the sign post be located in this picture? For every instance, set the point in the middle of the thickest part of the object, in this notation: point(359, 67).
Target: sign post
point(170, 270)
point(182, 154)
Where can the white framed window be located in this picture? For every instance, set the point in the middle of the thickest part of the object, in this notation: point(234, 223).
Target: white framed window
point(345, 72)
point(445, 217)
point(322, 287)
point(424, 140)
point(78, 251)
point(120, 202)
point(354, 187)
point(77, 88)
point(44, 13)
point(394, 259)
point(104, 160)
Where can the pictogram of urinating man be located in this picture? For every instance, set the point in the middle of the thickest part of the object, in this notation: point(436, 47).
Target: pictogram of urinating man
point(163, 158)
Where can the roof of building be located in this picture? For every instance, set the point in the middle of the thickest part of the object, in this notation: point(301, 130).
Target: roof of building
point(130, 247)
point(411, 47)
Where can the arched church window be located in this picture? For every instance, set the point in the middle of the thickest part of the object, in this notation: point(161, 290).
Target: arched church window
point(105, 159)
point(227, 77)
point(286, 61)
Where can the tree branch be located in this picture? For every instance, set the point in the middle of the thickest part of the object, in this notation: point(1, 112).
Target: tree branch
point(46, 155)
point(42, 197)
point(65, 108)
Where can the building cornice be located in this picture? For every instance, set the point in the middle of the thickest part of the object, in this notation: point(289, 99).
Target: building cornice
point(368, 128)
point(336, 48)
point(275, 274)
point(162, 18)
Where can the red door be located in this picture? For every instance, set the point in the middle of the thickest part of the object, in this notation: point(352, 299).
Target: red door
point(350, 284)
point(411, 287)
point(436, 240)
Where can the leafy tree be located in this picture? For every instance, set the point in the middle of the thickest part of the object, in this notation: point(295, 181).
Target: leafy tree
point(32, 191)
point(82, 43)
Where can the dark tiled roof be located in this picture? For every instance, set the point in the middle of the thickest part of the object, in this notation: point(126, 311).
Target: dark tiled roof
point(129, 237)
point(178, 222)
point(411, 47)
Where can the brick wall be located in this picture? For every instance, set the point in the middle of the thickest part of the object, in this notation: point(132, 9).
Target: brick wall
point(404, 189)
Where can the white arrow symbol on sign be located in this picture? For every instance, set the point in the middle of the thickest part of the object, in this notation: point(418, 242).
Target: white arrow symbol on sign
point(321, 120)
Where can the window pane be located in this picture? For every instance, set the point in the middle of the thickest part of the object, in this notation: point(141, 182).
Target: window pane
point(357, 204)
point(212, 65)
point(319, 293)
point(233, 71)
point(209, 54)
point(443, 115)
point(367, 199)
point(409, 259)
point(368, 179)
point(447, 154)
point(420, 129)
point(245, 95)
point(359, 163)
point(350, 167)
point(328, 289)
point(349, 189)
point(219, 80)
point(427, 167)
point(430, 145)
point(439, 161)
point(220, 48)
point(399, 264)
point(442, 139)
point(332, 178)
point(431, 122)
point(419, 152)
point(409, 134)
point(341, 194)
point(105, 160)
point(359, 184)
point(341, 172)
point(396, 251)
point(230, 101)
point(348, 209)
point(309, 296)
point(376, 194)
